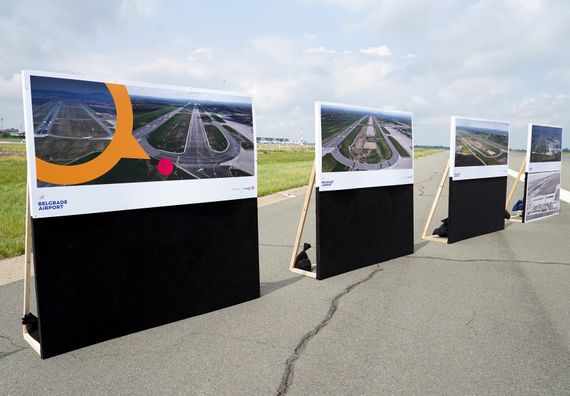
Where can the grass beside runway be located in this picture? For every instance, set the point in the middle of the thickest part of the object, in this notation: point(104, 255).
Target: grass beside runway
point(13, 198)
point(281, 168)
point(425, 151)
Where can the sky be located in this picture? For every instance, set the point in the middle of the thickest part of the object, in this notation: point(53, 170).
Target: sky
point(502, 60)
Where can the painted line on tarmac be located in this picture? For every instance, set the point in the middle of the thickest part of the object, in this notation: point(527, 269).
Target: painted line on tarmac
point(564, 194)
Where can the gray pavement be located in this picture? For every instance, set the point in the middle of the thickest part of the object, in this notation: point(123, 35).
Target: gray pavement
point(488, 315)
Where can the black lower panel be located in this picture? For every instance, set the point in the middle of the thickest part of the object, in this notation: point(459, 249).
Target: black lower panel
point(360, 227)
point(476, 207)
point(101, 276)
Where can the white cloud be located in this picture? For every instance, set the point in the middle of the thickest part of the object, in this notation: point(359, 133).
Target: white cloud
point(381, 50)
point(144, 8)
point(203, 52)
point(319, 50)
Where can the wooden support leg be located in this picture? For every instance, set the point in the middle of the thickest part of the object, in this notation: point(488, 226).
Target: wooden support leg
point(299, 235)
point(28, 275)
point(425, 235)
point(514, 187)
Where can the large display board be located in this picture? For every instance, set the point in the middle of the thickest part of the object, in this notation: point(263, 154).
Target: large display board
point(478, 148)
point(97, 145)
point(144, 205)
point(544, 148)
point(360, 147)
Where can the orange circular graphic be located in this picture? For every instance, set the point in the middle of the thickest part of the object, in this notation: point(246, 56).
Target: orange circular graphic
point(123, 145)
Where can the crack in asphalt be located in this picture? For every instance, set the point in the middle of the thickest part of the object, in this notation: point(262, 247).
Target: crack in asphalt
point(20, 348)
point(287, 378)
point(488, 260)
point(11, 342)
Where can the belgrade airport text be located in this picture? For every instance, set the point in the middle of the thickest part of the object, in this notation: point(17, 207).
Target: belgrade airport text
point(51, 205)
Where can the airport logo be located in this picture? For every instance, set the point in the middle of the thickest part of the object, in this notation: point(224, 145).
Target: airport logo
point(327, 183)
point(51, 205)
point(250, 188)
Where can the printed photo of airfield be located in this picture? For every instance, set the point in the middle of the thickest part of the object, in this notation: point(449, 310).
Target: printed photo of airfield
point(542, 195)
point(546, 144)
point(364, 139)
point(204, 135)
point(74, 121)
point(481, 143)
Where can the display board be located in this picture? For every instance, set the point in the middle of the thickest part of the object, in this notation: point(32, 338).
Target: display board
point(478, 148)
point(364, 199)
point(360, 147)
point(143, 205)
point(476, 207)
point(542, 195)
point(364, 226)
point(121, 272)
point(97, 145)
point(544, 148)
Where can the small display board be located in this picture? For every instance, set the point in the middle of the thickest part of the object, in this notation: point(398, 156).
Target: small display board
point(360, 147)
point(143, 206)
point(97, 145)
point(544, 148)
point(542, 195)
point(478, 148)
point(543, 165)
point(364, 179)
point(479, 154)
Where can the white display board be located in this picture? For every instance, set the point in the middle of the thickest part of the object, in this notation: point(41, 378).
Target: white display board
point(98, 145)
point(544, 148)
point(478, 148)
point(542, 196)
point(360, 147)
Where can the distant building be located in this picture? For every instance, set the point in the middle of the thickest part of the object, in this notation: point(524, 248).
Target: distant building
point(273, 140)
point(11, 132)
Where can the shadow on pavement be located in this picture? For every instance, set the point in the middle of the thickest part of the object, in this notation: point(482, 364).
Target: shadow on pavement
point(270, 287)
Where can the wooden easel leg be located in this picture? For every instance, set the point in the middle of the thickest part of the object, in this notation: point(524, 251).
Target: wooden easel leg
point(425, 235)
point(304, 213)
point(28, 274)
point(514, 187)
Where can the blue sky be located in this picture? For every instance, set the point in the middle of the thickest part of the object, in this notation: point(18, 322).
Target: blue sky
point(502, 60)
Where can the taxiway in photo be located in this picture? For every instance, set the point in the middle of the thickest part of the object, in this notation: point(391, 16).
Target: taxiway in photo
point(358, 139)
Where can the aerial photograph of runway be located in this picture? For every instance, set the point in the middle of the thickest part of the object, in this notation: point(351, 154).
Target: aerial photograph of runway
point(74, 121)
point(546, 144)
point(542, 195)
point(363, 139)
point(202, 135)
point(481, 143)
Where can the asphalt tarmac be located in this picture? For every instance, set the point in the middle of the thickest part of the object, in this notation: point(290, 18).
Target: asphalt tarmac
point(488, 315)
